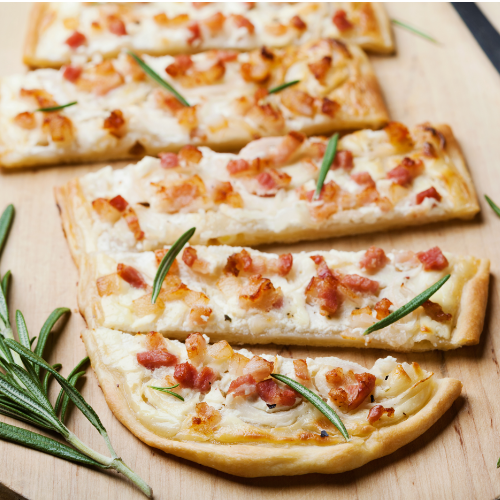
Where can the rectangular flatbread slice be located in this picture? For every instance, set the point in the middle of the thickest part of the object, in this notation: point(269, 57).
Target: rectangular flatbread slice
point(230, 399)
point(315, 298)
point(379, 180)
point(120, 112)
point(61, 31)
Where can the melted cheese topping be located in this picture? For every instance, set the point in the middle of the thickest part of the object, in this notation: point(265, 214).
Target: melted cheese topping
point(405, 388)
point(272, 27)
point(399, 282)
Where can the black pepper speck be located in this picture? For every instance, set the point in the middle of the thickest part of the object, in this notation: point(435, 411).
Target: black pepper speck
point(324, 434)
point(271, 406)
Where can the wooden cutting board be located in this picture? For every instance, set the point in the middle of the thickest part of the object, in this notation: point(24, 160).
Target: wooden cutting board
point(451, 82)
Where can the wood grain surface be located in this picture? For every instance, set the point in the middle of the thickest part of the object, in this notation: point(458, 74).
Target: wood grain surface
point(452, 82)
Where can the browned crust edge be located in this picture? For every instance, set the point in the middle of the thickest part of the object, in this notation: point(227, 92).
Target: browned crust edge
point(385, 29)
point(264, 460)
point(32, 34)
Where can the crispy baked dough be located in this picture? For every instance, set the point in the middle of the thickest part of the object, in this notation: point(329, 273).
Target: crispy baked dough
point(44, 18)
point(266, 458)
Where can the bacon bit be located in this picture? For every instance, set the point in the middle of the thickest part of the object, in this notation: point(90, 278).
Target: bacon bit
point(116, 26)
point(205, 379)
point(95, 25)
point(215, 23)
point(323, 293)
point(243, 386)
point(59, 127)
point(320, 68)
point(343, 159)
point(241, 261)
point(185, 374)
point(105, 210)
point(297, 101)
point(100, 79)
point(282, 265)
point(195, 36)
point(382, 308)
point(260, 293)
point(133, 223)
point(42, 97)
point(377, 411)
point(72, 73)
point(221, 350)
point(241, 167)
point(180, 66)
point(190, 154)
point(191, 259)
point(335, 376)
point(242, 22)
point(353, 395)
point(25, 120)
point(317, 150)
point(371, 195)
point(226, 55)
point(329, 108)
point(340, 20)
point(433, 259)
point(374, 259)
point(108, 285)
point(187, 118)
point(406, 171)
point(75, 40)
point(259, 368)
point(435, 311)
point(429, 150)
point(363, 179)
point(131, 275)
point(167, 102)
point(196, 347)
point(287, 147)
point(223, 193)
point(358, 283)
point(119, 203)
point(301, 370)
point(271, 181)
point(297, 23)
point(428, 193)
point(158, 358)
point(399, 136)
point(115, 124)
point(266, 53)
point(270, 392)
point(179, 194)
point(169, 160)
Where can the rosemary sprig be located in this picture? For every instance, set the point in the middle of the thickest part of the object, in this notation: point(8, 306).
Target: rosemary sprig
point(413, 30)
point(167, 261)
point(285, 85)
point(313, 398)
point(57, 108)
point(493, 205)
point(155, 76)
point(166, 389)
point(331, 151)
point(24, 391)
point(408, 307)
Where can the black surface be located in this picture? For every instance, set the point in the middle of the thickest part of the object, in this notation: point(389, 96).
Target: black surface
point(484, 32)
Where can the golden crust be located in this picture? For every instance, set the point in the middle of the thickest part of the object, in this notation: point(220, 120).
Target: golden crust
point(32, 34)
point(268, 460)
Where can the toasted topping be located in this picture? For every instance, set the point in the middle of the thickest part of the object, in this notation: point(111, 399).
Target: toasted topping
point(399, 136)
point(108, 285)
point(180, 66)
point(287, 147)
point(215, 23)
point(156, 359)
point(196, 347)
point(428, 193)
point(242, 22)
point(433, 259)
point(119, 203)
point(75, 40)
point(115, 124)
point(435, 311)
point(179, 194)
point(188, 377)
point(260, 293)
point(100, 79)
point(374, 260)
point(72, 73)
point(243, 386)
point(335, 376)
point(191, 259)
point(297, 101)
point(271, 181)
point(377, 411)
point(353, 394)
point(382, 308)
point(223, 193)
point(360, 284)
point(131, 275)
point(195, 34)
point(133, 223)
point(272, 393)
point(301, 370)
point(259, 368)
point(116, 26)
point(167, 102)
point(221, 350)
point(297, 23)
point(240, 167)
point(105, 210)
point(187, 118)
point(25, 120)
point(41, 97)
point(238, 262)
point(343, 159)
point(169, 160)
point(340, 20)
point(323, 293)
point(329, 107)
point(282, 265)
point(406, 171)
point(59, 127)
point(190, 154)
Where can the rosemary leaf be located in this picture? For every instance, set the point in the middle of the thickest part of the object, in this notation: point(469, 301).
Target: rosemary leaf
point(314, 399)
point(64, 407)
point(408, 307)
point(331, 151)
point(166, 389)
point(61, 396)
point(57, 108)
point(32, 341)
point(22, 330)
point(5, 223)
point(46, 378)
point(5, 351)
point(24, 416)
point(278, 88)
point(4, 310)
point(155, 76)
point(493, 205)
point(5, 283)
point(167, 261)
point(413, 30)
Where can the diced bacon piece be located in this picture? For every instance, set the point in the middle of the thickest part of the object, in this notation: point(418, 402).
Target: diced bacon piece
point(72, 73)
point(186, 374)
point(237, 262)
point(243, 386)
point(180, 194)
point(180, 65)
point(223, 193)
point(428, 193)
point(374, 259)
point(320, 68)
point(158, 358)
point(100, 79)
point(221, 351)
point(188, 118)
point(108, 285)
point(116, 26)
point(376, 413)
point(195, 37)
point(259, 368)
point(226, 55)
point(115, 124)
point(271, 181)
point(205, 379)
point(42, 97)
point(287, 147)
point(382, 308)
point(363, 179)
point(241, 167)
point(191, 259)
point(282, 265)
point(242, 22)
point(119, 203)
point(131, 275)
point(406, 171)
point(323, 293)
point(273, 394)
point(428, 150)
point(169, 160)
point(301, 369)
point(298, 23)
point(435, 311)
point(59, 127)
point(399, 136)
point(133, 223)
point(329, 107)
point(25, 120)
point(260, 293)
point(433, 259)
point(360, 284)
point(196, 347)
point(215, 23)
point(352, 395)
point(297, 101)
point(75, 40)
point(343, 159)
point(167, 102)
point(335, 376)
point(105, 210)
point(340, 20)
point(190, 154)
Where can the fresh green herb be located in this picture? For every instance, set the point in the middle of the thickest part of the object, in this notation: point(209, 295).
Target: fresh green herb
point(24, 390)
point(313, 398)
point(167, 261)
point(492, 205)
point(413, 30)
point(155, 76)
point(331, 151)
point(279, 88)
point(166, 389)
point(409, 307)
point(57, 108)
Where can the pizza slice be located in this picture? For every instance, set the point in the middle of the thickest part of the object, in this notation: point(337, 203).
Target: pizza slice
point(112, 110)
point(60, 31)
point(315, 298)
point(223, 408)
point(378, 180)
